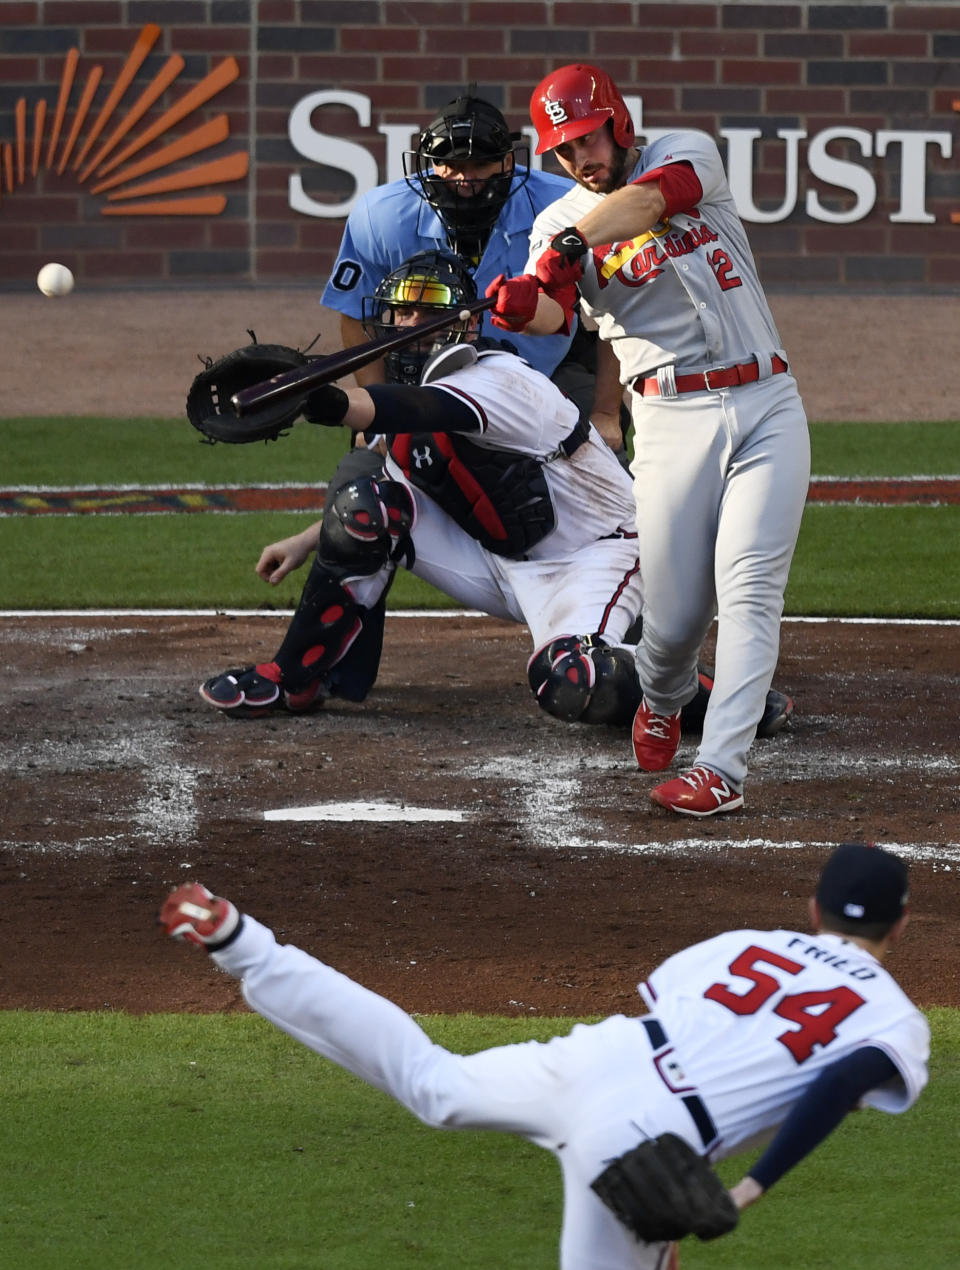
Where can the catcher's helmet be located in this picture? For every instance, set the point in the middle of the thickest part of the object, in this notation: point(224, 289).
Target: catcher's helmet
point(434, 280)
point(467, 128)
point(575, 100)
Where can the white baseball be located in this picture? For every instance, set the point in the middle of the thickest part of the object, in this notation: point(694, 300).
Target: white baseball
point(55, 279)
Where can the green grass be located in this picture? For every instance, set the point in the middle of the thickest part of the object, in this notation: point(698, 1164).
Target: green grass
point(868, 561)
point(877, 561)
point(885, 449)
point(184, 561)
point(215, 1142)
point(88, 451)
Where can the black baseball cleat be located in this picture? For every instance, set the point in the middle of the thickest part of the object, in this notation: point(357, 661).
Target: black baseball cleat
point(248, 693)
point(777, 712)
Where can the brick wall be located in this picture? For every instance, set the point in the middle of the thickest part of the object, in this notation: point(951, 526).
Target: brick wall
point(245, 64)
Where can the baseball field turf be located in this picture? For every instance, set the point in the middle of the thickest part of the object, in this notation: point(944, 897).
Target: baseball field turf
point(134, 1143)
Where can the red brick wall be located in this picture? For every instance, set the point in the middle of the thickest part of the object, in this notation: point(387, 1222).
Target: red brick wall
point(800, 66)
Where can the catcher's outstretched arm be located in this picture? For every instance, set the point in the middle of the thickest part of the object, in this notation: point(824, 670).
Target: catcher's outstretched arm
point(392, 408)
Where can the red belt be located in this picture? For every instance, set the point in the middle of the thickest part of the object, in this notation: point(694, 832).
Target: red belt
point(711, 380)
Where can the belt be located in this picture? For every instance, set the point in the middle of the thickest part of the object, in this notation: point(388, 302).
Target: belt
point(692, 1101)
point(711, 380)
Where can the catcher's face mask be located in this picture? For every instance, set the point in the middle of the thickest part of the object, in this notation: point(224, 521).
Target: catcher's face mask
point(423, 287)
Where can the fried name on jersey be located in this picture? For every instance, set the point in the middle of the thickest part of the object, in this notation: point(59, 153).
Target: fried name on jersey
point(830, 957)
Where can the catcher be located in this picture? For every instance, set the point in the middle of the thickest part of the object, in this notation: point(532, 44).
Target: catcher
point(493, 488)
point(750, 1034)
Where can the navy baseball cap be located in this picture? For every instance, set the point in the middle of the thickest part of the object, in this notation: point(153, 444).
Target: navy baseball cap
point(864, 883)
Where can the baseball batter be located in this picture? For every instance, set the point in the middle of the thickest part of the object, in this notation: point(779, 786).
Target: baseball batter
point(750, 1034)
point(651, 239)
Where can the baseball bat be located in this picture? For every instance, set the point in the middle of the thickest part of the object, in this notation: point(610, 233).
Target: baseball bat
point(324, 370)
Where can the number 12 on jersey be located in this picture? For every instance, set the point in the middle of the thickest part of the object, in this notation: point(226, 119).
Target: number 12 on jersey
point(722, 266)
point(817, 1014)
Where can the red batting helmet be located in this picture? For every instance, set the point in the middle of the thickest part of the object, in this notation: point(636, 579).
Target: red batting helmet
point(575, 100)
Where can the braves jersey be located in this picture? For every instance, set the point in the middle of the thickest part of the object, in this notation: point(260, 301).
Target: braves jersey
point(393, 222)
point(754, 1017)
point(686, 292)
point(518, 410)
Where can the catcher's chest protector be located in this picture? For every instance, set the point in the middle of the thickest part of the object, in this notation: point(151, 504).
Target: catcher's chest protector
point(499, 498)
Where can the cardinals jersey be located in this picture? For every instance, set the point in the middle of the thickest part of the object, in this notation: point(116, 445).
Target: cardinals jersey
point(755, 1016)
point(684, 293)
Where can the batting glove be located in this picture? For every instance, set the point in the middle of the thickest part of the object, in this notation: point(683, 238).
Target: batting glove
point(561, 265)
point(194, 915)
point(516, 303)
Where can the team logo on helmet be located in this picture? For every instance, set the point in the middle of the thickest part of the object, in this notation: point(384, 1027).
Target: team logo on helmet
point(556, 112)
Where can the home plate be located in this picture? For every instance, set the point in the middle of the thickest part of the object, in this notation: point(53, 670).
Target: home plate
point(364, 811)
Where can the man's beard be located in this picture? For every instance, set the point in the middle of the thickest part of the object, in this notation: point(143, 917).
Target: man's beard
point(616, 174)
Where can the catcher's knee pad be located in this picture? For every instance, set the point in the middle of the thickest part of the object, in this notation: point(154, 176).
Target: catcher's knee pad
point(365, 524)
point(580, 680)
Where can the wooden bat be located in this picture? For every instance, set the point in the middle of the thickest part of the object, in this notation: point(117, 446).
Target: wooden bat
point(324, 370)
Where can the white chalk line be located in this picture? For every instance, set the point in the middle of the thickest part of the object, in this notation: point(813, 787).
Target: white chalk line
point(440, 614)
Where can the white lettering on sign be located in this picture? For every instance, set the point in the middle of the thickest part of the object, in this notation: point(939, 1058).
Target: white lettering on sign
point(845, 174)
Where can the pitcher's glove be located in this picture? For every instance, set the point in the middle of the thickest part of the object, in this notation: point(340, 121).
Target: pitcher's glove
point(663, 1190)
point(208, 402)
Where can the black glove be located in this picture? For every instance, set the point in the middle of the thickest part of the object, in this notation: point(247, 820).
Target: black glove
point(208, 401)
point(663, 1190)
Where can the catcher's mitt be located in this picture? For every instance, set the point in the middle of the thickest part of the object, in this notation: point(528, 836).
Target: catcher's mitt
point(663, 1190)
point(208, 401)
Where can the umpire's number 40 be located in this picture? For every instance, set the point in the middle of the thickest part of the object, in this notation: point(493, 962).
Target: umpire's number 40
point(818, 1014)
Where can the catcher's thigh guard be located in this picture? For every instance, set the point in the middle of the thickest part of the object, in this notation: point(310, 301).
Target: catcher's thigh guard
point(580, 680)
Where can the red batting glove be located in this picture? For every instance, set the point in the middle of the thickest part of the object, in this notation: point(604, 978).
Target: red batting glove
point(559, 270)
point(197, 916)
point(516, 301)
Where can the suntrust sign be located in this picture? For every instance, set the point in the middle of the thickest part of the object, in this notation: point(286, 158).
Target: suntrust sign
point(853, 179)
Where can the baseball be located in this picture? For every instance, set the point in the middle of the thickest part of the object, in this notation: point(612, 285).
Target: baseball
point(55, 279)
point(464, 315)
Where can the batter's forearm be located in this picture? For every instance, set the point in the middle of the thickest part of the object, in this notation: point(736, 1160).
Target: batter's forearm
point(548, 319)
point(624, 214)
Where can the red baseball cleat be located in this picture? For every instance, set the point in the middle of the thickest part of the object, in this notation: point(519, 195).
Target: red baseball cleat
point(193, 914)
point(698, 792)
point(655, 738)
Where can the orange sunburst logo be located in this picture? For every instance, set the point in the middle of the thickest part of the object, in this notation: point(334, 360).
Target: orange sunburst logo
point(114, 171)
